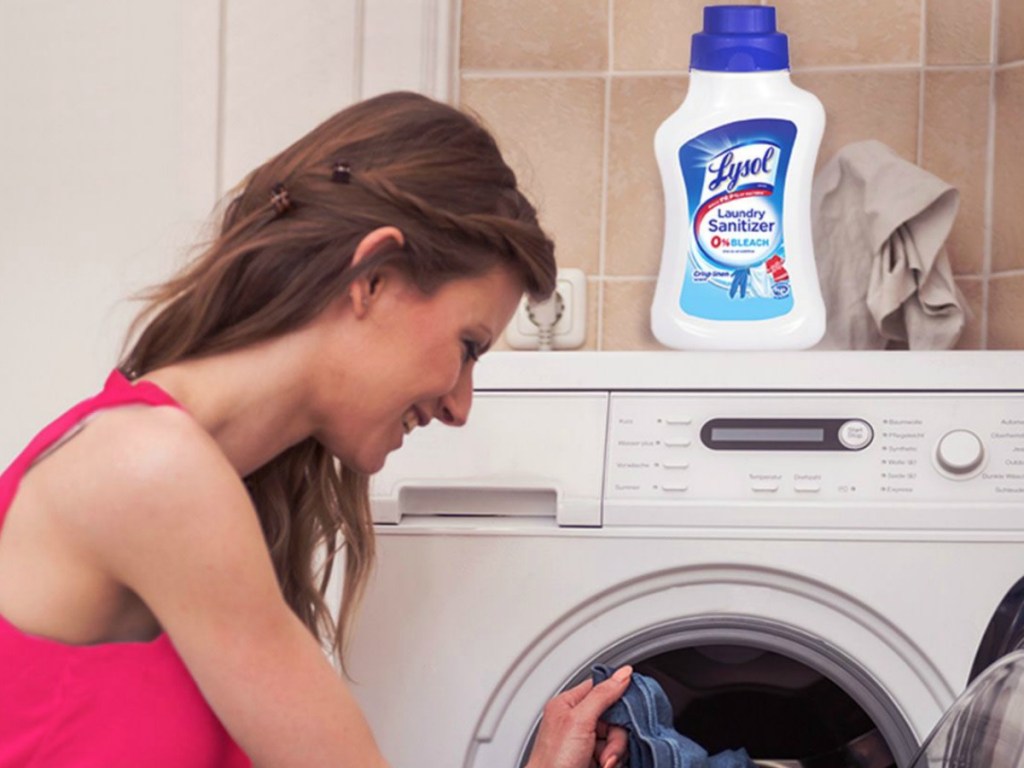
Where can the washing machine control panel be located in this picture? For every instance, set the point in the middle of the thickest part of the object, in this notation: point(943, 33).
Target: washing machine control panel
point(828, 447)
point(773, 459)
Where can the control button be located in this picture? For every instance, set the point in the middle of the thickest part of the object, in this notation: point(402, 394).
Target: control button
point(856, 434)
point(764, 488)
point(675, 464)
point(674, 488)
point(685, 443)
point(959, 453)
point(680, 421)
point(806, 488)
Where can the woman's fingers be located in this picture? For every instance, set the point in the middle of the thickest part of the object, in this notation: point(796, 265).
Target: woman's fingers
point(593, 704)
point(613, 749)
point(576, 694)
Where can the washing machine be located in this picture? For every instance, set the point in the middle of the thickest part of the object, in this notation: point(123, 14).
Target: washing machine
point(804, 549)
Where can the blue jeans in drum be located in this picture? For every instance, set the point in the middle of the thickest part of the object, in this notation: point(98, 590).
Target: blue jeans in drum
point(645, 712)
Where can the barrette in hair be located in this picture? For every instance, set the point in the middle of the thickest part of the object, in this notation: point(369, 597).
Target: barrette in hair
point(341, 172)
point(279, 198)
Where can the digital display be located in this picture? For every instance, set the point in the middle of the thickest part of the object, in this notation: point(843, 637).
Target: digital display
point(786, 434)
point(767, 435)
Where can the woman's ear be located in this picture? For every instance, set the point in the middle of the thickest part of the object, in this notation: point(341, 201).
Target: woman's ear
point(366, 288)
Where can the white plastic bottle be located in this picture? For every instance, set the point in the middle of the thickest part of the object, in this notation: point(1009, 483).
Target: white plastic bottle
point(737, 161)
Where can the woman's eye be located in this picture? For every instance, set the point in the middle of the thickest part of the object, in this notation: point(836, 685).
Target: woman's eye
point(470, 350)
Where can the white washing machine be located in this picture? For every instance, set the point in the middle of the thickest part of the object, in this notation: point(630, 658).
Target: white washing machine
point(805, 549)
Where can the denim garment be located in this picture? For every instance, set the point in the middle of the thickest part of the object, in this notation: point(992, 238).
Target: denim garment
point(644, 711)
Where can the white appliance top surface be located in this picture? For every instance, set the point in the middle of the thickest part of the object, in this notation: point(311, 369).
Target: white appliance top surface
point(808, 370)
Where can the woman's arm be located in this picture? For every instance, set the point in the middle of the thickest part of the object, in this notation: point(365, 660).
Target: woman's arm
point(173, 523)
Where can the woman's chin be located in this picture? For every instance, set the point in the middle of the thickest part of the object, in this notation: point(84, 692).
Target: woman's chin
point(368, 456)
point(369, 465)
point(375, 467)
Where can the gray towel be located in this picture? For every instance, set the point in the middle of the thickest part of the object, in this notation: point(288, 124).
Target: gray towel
point(880, 226)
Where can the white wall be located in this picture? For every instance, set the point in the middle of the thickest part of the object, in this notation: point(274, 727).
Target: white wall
point(122, 124)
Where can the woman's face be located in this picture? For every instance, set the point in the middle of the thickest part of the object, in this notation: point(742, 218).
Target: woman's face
point(415, 361)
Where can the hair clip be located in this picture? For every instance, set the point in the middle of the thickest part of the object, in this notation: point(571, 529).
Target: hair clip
point(279, 198)
point(341, 172)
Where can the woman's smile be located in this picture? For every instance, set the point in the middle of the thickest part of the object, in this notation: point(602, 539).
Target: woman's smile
point(410, 421)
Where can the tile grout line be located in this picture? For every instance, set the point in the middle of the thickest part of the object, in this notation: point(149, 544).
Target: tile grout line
point(958, 67)
point(602, 243)
point(533, 74)
point(222, 35)
point(923, 60)
point(359, 22)
point(990, 166)
point(456, 25)
point(358, 48)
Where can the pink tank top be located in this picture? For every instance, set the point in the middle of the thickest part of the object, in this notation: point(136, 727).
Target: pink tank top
point(111, 705)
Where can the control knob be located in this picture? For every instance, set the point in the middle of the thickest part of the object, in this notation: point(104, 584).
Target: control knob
point(959, 453)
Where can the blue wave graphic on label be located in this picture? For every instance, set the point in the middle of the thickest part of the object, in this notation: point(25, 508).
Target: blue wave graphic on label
point(735, 177)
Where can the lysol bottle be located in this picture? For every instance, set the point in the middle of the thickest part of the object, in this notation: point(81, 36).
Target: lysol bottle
point(737, 160)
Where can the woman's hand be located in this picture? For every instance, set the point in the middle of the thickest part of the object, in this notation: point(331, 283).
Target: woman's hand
point(570, 734)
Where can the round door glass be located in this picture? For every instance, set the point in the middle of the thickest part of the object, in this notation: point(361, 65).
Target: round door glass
point(985, 726)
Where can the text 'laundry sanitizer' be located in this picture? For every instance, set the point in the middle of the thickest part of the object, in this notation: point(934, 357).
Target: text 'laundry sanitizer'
point(737, 161)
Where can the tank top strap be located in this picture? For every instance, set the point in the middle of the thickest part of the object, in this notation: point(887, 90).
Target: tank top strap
point(121, 391)
point(117, 391)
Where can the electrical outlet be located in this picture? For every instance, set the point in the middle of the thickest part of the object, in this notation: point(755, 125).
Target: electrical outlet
point(570, 330)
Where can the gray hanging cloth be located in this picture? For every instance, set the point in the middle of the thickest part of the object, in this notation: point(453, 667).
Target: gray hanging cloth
point(880, 226)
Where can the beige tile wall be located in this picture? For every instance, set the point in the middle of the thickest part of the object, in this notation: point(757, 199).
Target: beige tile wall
point(575, 89)
point(1006, 279)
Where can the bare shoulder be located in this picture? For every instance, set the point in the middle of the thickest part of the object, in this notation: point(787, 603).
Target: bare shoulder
point(145, 458)
point(143, 486)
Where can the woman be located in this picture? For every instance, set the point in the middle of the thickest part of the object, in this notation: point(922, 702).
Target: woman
point(166, 545)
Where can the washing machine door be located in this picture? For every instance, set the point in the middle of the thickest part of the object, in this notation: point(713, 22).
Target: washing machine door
point(1005, 632)
point(985, 726)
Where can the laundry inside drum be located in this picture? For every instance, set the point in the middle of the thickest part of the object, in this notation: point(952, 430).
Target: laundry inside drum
point(783, 712)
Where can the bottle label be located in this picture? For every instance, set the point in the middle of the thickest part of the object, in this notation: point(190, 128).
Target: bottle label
point(735, 178)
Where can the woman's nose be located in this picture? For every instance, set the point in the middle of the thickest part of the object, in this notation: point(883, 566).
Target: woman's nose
point(454, 407)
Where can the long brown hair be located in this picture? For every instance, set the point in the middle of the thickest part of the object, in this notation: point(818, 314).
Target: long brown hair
point(284, 251)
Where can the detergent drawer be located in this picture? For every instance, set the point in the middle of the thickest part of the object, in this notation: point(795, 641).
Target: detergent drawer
point(535, 454)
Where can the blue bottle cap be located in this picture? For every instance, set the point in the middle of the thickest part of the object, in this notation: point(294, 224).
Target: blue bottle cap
point(739, 38)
